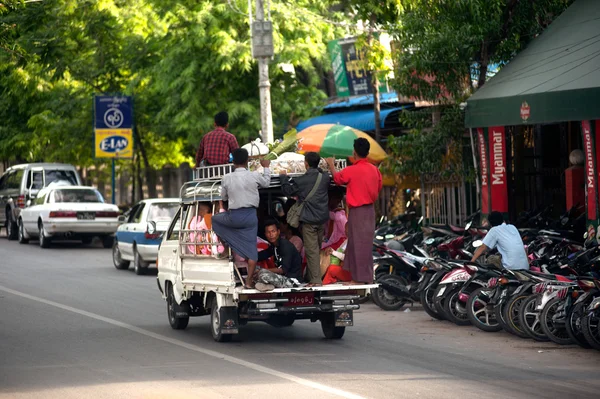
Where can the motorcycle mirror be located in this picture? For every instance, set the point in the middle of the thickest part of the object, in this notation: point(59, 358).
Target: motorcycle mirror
point(477, 243)
point(585, 235)
point(564, 220)
point(421, 219)
point(468, 226)
point(379, 237)
point(407, 204)
point(429, 241)
point(389, 236)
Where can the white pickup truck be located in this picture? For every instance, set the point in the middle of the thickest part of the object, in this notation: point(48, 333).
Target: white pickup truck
point(197, 284)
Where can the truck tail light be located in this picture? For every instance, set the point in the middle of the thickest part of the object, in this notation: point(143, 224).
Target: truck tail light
point(21, 201)
point(63, 214)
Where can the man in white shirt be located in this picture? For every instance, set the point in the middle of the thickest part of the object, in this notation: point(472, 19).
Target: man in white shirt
point(238, 227)
point(507, 239)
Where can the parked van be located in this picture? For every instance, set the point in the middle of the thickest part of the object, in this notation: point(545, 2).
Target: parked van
point(20, 184)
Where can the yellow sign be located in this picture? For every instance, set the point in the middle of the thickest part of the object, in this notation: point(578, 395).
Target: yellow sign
point(113, 143)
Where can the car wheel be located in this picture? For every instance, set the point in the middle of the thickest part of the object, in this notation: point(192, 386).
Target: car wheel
point(12, 230)
point(139, 266)
point(119, 263)
point(44, 240)
point(22, 239)
point(107, 241)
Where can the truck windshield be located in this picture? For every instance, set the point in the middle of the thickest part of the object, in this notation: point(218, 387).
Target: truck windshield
point(60, 175)
point(77, 195)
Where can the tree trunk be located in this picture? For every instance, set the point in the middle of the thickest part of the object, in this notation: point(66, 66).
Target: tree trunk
point(375, 84)
point(150, 180)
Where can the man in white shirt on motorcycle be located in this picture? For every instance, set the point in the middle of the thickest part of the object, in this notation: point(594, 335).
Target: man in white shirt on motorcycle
point(508, 240)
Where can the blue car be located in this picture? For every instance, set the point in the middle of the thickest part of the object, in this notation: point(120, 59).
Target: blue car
point(136, 239)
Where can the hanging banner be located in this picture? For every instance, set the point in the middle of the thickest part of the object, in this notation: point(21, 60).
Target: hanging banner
point(590, 170)
point(498, 181)
point(597, 156)
point(485, 188)
point(113, 127)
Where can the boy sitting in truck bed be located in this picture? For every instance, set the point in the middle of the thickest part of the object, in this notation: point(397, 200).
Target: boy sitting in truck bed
point(286, 257)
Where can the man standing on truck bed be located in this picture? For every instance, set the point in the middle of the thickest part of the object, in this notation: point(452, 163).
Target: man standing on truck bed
point(312, 190)
point(238, 227)
point(364, 183)
point(216, 145)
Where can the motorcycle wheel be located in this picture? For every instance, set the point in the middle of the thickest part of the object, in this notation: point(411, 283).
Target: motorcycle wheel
point(385, 299)
point(511, 315)
point(529, 319)
point(426, 297)
point(573, 324)
point(478, 313)
point(555, 330)
point(438, 301)
point(590, 325)
point(499, 310)
point(454, 309)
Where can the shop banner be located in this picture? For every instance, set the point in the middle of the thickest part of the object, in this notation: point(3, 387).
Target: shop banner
point(498, 166)
point(590, 170)
point(597, 156)
point(485, 188)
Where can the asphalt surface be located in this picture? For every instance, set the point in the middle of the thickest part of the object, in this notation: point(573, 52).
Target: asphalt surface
point(72, 326)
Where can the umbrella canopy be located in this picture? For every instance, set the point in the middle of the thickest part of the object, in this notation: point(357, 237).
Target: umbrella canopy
point(336, 141)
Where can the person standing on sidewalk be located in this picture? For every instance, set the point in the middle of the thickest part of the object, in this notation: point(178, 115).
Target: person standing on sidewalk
point(364, 182)
point(315, 210)
point(216, 145)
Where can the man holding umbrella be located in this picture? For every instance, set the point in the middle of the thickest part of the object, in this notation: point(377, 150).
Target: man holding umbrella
point(364, 182)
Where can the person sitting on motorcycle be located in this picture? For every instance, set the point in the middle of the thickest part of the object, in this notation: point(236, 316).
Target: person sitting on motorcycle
point(506, 238)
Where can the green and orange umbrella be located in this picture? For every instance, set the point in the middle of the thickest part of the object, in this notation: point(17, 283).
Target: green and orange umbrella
point(336, 141)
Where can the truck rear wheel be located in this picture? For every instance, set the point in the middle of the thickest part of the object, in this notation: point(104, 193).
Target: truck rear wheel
point(329, 329)
point(215, 323)
point(177, 323)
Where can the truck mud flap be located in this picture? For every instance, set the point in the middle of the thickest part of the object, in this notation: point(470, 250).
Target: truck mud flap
point(344, 318)
point(229, 320)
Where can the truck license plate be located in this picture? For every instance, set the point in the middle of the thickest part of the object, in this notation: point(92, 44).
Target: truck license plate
point(307, 299)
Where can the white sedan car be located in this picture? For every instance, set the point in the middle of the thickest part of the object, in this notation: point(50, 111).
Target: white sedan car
point(70, 213)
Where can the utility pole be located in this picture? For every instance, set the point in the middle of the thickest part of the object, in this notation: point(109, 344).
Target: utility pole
point(375, 82)
point(262, 50)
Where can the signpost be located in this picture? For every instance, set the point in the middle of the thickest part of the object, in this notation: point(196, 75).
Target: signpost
point(113, 130)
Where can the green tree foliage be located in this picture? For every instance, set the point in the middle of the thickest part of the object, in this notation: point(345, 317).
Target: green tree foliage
point(182, 60)
point(445, 46)
point(443, 51)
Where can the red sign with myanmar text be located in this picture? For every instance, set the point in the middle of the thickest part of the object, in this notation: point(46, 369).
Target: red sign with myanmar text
point(498, 180)
point(590, 170)
point(485, 188)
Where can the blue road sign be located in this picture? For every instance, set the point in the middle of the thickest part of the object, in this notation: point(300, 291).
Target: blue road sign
point(113, 112)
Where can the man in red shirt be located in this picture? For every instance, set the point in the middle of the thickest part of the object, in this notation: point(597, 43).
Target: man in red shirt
point(364, 182)
point(216, 145)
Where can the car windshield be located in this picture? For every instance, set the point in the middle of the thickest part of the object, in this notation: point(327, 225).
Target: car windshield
point(162, 211)
point(77, 195)
point(67, 176)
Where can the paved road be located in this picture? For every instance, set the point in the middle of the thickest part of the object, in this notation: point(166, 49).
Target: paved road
point(73, 326)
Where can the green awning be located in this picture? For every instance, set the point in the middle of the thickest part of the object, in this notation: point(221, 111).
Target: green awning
point(555, 79)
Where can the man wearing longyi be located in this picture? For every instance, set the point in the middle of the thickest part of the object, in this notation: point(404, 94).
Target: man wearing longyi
point(364, 182)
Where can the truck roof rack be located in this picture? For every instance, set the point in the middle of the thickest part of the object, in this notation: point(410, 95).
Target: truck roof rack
point(206, 184)
point(216, 172)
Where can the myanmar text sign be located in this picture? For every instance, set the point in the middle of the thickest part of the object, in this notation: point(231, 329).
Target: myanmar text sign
point(113, 127)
